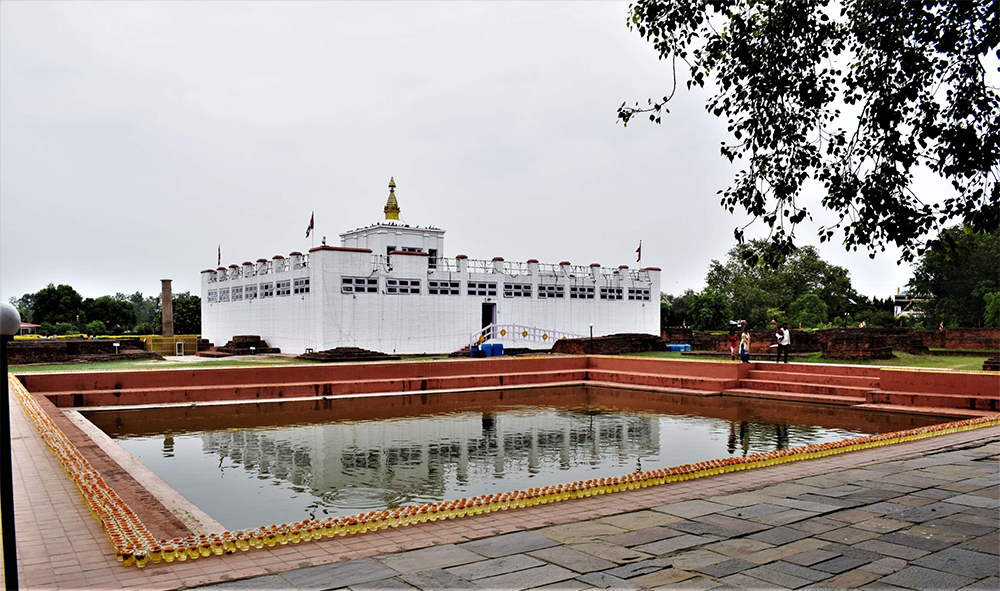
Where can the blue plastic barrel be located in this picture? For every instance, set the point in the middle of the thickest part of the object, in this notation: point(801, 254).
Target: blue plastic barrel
point(487, 349)
point(497, 349)
point(473, 351)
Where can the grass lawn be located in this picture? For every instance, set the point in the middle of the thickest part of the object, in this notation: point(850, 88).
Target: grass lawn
point(900, 360)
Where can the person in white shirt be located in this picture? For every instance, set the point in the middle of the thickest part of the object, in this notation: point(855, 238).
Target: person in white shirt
point(784, 336)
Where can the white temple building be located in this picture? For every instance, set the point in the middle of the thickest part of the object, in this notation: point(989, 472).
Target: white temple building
point(389, 287)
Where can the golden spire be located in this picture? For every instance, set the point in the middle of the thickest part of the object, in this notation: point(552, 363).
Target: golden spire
point(391, 206)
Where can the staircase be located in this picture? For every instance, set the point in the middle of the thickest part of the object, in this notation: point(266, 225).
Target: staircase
point(860, 387)
point(845, 385)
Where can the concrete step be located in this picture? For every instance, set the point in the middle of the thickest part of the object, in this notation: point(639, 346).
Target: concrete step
point(662, 380)
point(988, 404)
point(823, 369)
point(776, 375)
point(794, 396)
point(645, 388)
point(954, 413)
point(264, 391)
point(806, 388)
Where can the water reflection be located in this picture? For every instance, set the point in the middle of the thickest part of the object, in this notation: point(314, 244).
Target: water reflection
point(417, 457)
point(252, 464)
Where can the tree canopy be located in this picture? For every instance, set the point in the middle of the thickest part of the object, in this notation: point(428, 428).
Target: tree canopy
point(958, 281)
point(759, 293)
point(61, 310)
point(854, 96)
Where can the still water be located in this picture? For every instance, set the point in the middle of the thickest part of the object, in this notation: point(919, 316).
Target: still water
point(248, 465)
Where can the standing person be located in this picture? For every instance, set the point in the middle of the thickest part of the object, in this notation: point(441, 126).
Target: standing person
point(745, 346)
point(734, 343)
point(784, 340)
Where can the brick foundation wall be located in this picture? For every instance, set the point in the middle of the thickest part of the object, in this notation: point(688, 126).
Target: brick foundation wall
point(22, 351)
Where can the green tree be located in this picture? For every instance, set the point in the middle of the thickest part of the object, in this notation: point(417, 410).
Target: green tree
point(57, 304)
point(95, 328)
point(675, 310)
point(24, 305)
point(710, 310)
point(146, 308)
point(754, 289)
point(116, 314)
point(856, 95)
point(808, 311)
point(46, 329)
point(956, 276)
point(187, 314)
point(65, 328)
point(991, 316)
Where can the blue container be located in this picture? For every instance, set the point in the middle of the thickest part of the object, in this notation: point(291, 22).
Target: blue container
point(497, 349)
point(473, 351)
point(685, 347)
point(487, 349)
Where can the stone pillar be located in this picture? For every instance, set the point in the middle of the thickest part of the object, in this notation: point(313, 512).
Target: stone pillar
point(167, 304)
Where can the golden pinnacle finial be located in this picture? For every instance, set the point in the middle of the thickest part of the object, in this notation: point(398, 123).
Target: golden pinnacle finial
point(391, 209)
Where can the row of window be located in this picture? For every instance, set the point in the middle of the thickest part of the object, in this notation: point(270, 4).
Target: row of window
point(263, 291)
point(356, 285)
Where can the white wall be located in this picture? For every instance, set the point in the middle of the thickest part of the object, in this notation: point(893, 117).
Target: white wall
point(326, 318)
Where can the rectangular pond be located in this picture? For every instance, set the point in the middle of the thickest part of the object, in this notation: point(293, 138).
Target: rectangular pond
point(253, 464)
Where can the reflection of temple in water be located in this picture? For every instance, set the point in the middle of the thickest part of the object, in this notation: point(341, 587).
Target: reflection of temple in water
point(745, 435)
point(415, 456)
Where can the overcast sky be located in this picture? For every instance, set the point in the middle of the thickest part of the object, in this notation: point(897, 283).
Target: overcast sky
point(135, 138)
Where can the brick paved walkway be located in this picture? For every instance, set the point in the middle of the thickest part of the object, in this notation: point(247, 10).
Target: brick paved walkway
point(917, 515)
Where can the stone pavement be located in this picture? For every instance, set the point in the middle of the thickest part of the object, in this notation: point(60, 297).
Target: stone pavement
point(926, 522)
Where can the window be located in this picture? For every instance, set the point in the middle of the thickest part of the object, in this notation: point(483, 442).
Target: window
point(266, 290)
point(517, 290)
point(611, 293)
point(237, 293)
point(359, 285)
point(224, 295)
point(283, 288)
point(482, 288)
point(402, 286)
point(581, 292)
point(638, 294)
point(432, 258)
point(551, 291)
point(250, 292)
point(301, 285)
point(437, 287)
point(213, 296)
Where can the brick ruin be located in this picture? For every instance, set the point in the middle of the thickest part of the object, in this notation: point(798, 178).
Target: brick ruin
point(851, 343)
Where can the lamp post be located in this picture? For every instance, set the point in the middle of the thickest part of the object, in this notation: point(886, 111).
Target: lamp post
point(591, 338)
point(10, 323)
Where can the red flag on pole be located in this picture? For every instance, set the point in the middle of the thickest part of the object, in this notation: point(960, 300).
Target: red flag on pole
point(312, 224)
point(638, 253)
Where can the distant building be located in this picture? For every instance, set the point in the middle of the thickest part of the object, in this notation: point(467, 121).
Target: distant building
point(389, 287)
point(903, 303)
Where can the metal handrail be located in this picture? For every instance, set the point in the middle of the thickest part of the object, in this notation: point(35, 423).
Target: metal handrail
point(520, 332)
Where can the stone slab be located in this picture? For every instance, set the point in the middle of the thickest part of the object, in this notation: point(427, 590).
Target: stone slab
point(505, 545)
point(338, 574)
point(431, 558)
point(575, 560)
